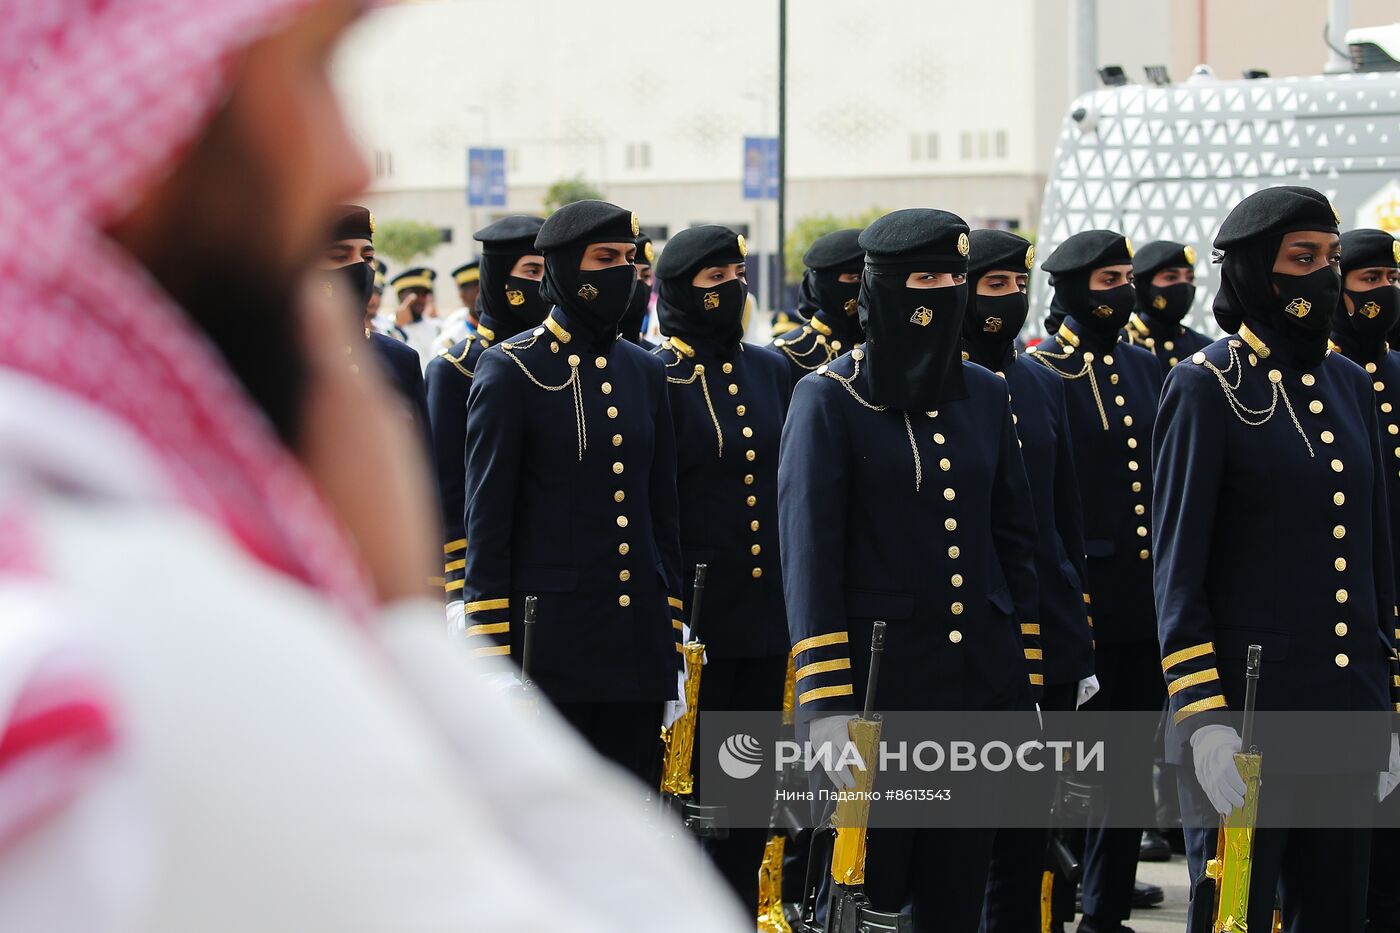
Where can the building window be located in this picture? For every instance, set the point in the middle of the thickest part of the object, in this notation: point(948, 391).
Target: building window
point(965, 146)
point(446, 234)
point(513, 159)
point(1001, 144)
point(638, 155)
point(983, 145)
point(383, 163)
point(916, 147)
point(931, 147)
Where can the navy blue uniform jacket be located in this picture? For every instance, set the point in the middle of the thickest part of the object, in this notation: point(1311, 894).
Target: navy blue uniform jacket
point(1169, 343)
point(920, 520)
point(729, 416)
point(1275, 535)
point(808, 347)
point(571, 497)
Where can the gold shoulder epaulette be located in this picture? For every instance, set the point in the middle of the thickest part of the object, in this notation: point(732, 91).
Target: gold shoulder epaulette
point(513, 350)
point(458, 360)
point(809, 350)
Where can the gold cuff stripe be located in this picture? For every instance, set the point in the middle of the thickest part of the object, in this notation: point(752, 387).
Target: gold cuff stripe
point(455, 585)
point(492, 652)
point(459, 545)
point(1030, 628)
point(490, 628)
point(821, 693)
point(820, 641)
point(678, 625)
point(676, 603)
point(454, 565)
point(822, 667)
point(485, 605)
point(1186, 654)
point(1395, 681)
point(1037, 680)
point(1191, 680)
point(1034, 654)
point(1087, 599)
point(1200, 706)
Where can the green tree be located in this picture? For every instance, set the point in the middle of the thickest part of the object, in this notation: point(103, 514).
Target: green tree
point(567, 191)
point(405, 240)
point(809, 229)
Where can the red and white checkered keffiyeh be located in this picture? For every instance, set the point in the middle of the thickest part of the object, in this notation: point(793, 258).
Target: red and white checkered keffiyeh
point(97, 99)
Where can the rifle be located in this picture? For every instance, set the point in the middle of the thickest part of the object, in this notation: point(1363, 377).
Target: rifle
point(849, 910)
point(771, 917)
point(529, 689)
point(677, 775)
point(1220, 897)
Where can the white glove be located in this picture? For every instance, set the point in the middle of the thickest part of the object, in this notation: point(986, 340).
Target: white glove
point(831, 742)
point(676, 708)
point(1087, 688)
point(456, 616)
point(1391, 778)
point(1213, 751)
point(502, 683)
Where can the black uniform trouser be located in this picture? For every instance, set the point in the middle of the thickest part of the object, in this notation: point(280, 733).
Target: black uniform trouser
point(740, 684)
point(1317, 876)
point(1130, 678)
point(1383, 898)
point(1019, 854)
point(627, 734)
point(939, 874)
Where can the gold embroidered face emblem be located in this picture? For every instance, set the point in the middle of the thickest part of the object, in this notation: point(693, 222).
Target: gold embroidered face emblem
point(1298, 307)
point(1190, 253)
point(963, 244)
point(636, 226)
point(992, 325)
point(711, 300)
point(921, 316)
point(649, 253)
point(1103, 311)
point(1370, 310)
point(515, 296)
point(1159, 303)
point(587, 292)
point(1030, 257)
point(850, 306)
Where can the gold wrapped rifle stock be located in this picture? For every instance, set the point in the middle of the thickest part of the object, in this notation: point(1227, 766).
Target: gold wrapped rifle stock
point(1232, 866)
point(770, 887)
point(853, 808)
point(677, 777)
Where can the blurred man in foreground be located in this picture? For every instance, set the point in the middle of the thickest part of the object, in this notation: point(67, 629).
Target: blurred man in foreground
point(250, 656)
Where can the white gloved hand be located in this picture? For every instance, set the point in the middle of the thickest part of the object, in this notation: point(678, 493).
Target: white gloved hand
point(1213, 751)
point(1087, 688)
point(456, 616)
point(502, 682)
point(1390, 779)
point(676, 708)
point(831, 742)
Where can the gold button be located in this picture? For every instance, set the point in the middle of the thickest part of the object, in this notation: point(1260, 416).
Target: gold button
point(612, 411)
point(740, 411)
point(1342, 660)
point(1275, 376)
point(1341, 596)
point(836, 345)
point(955, 636)
point(607, 388)
point(624, 575)
point(617, 467)
point(749, 455)
point(1132, 443)
point(573, 359)
point(1141, 531)
point(1144, 554)
point(757, 572)
point(945, 464)
point(1253, 360)
point(950, 524)
point(1137, 487)
point(1308, 379)
point(619, 496)
point(622, 521)
point(728, 368)
point(1392, 429)
point(931, 414)
point(623, 548)
point(1379, 386)
point(1133, 465)
point(748, 431)
point(1315, 406)
point(1198, 358)
point(1387, 407)
point(733, 389)
point(553, 345)
point(601, 362)
point(1339, 498)
point(1169, 345)
point(624, 600)
point(753, 525)
point(1128, 420)
point(1370, 367)
point(954, 552)
point(938, 438)
point(956, 580)
point(1171, 360)
point(617, 440)
point(956, 609)
point(752, 501)
point(949, 494)
point(1140, 509)
point(1119, 400)
point(1107, 360)
point(1088, 356)
point(1339, 532)
point(1340, 628)
point(748, 479)
point(1113, 378)
point(756, 550)
point(1336, 466)
point(1327, 437)
point(1340, 563)
point(699, 369)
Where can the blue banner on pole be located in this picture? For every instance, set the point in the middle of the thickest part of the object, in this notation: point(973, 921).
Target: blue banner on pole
point(760, 168)
point(486, 177)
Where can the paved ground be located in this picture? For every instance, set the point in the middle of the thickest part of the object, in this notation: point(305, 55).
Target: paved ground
point(1170, 915)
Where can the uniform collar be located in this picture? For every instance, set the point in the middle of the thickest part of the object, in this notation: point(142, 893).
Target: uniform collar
point(571, 332)
point(1357, 349)
point(1073, 334)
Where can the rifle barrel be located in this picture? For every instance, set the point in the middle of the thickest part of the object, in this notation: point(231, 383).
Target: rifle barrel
point(1251, 690)
point(877, 647)
point(695, 599)
point(527, 649)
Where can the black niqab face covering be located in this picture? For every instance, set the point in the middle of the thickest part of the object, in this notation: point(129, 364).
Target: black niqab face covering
point(597, 298)
point(357, 282)
point(1309, 302)
point(709, 318)
point(518, 304)
point(1102, 312)
point(992, 324)
point(839, 303)
point(1170, 303)
point(1377, 312)
point(913, 339)
point(636, 315)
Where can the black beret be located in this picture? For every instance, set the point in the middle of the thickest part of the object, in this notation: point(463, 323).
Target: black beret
point(696, 247)
point(584, 222)
point(1090, 250)
point(998, 249)
point(352, 222)
point(467, 272)
point(646, 253)
point(920, 234)
point(1162, 254)
point(513, 235)
point(417, 277)
point(1273, 211)
point(835, 250)
point(1368, 249)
